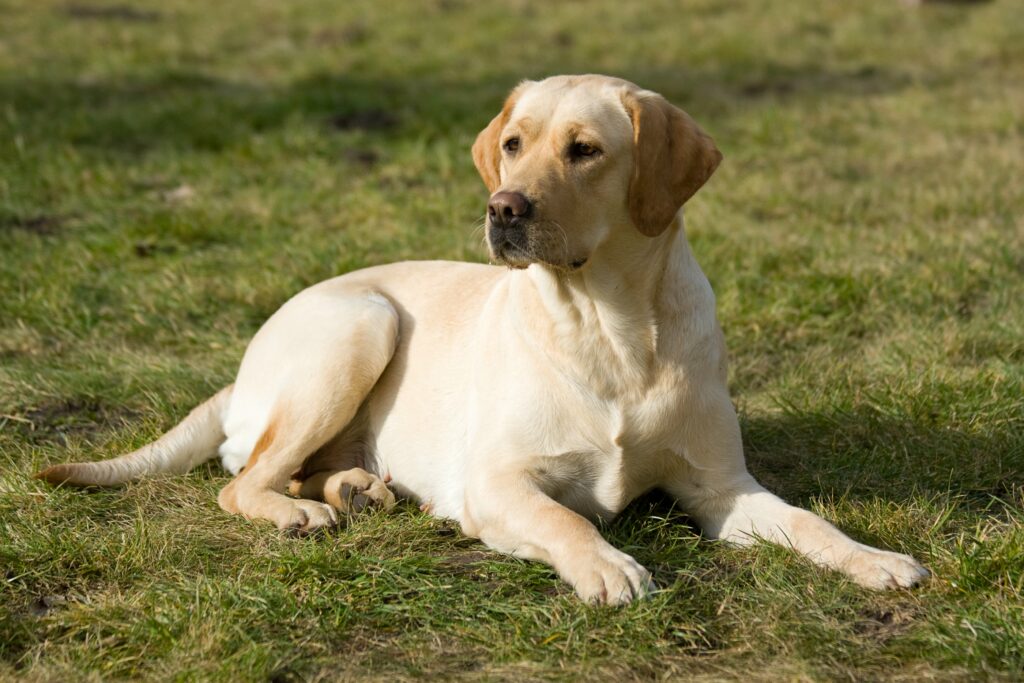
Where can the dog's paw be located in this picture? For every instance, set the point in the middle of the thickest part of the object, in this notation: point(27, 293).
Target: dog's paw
point(377, 494)
point(611, 577)
point(306, 516)
point(356, 489)
point(880, 569)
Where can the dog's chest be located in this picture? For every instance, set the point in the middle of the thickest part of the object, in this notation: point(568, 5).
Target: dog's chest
point(615, 448)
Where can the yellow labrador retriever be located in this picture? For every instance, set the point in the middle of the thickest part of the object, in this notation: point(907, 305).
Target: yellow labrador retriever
point(523, 401)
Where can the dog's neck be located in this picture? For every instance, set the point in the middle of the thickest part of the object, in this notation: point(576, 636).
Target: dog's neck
point(616, 308)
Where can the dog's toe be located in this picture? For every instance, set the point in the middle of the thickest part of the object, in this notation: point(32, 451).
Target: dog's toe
point(356, 489)
point(376, 494)
point(307, 516)
point(880, 569)
point(613, 578)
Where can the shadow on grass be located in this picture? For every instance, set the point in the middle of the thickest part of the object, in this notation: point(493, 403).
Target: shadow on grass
point(865, 458)
point(189, 110)
point(865, 454)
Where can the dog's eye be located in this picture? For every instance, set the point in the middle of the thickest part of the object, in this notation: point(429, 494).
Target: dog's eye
point(581, 150)
point(511, 145)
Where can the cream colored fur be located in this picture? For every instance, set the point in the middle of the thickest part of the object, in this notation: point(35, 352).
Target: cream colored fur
point(522, 401)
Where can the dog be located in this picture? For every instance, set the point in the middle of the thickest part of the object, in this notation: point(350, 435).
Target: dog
point(524, 399)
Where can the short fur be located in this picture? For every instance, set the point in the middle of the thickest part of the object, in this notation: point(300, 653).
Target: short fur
point(523, 402)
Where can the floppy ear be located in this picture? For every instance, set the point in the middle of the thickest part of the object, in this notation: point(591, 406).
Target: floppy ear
point(672, 156)
point(487, 148)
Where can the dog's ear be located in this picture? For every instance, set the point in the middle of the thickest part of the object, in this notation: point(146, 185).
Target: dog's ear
point(487, 148)
point(672, 156)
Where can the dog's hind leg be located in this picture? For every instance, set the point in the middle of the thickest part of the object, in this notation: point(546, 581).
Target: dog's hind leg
point(309, 369)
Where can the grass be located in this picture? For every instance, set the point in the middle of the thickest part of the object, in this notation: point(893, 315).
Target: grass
point(170, 173)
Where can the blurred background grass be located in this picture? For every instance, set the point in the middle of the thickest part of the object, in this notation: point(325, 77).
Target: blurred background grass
point(171, 172)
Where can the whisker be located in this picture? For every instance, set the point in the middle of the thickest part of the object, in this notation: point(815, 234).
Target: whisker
point(479, 225)
point(554, 230)
point(481, 228)
point(565, 240)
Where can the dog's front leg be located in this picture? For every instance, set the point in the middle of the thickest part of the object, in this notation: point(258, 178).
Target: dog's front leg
point(714, 486)
point(510, 513)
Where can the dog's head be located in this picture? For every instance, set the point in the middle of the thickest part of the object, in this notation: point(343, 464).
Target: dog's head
point(571, 158)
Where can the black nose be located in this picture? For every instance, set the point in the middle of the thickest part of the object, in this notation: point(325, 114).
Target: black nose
point(506, 208)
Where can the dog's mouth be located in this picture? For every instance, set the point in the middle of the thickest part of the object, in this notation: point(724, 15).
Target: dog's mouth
point(512, 259)
point(515, 250)
point(519, 259)
point(510, 247)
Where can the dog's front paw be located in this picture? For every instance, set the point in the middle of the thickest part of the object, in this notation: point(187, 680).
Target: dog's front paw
point(880, 569)
point(611, 577)
point(306, 516)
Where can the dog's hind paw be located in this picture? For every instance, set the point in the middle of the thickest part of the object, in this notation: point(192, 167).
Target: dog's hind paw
point(348, 490)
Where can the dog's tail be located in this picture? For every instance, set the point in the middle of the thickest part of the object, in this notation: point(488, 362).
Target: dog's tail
point(193, 441)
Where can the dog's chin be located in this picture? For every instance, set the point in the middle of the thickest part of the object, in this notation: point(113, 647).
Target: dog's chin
point(515, 259)
point(512, 259)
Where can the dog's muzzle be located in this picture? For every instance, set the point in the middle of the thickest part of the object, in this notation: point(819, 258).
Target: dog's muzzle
point(509, 222)
point(507, 214)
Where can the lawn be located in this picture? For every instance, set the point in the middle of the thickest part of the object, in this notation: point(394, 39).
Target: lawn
point(171, 172)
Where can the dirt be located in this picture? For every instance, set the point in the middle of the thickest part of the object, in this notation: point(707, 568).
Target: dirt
point(883, 624)
point(55, 422)
point(118, 12)
point(46, 604)
point(355, 33)
point(150, 249)
point(373, 119)
point(367, 158)
point(40, 224)
point(463, 561)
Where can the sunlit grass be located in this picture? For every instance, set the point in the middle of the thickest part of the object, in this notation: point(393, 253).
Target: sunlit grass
point(171, 173)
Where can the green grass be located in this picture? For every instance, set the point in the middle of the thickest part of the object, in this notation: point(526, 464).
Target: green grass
point(864, 236)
